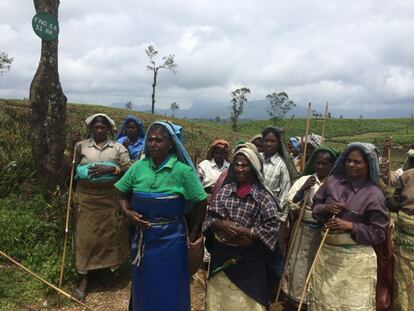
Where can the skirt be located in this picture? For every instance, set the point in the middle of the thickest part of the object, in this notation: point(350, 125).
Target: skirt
point(345, 276)
point(101, 231)
point(404, 263)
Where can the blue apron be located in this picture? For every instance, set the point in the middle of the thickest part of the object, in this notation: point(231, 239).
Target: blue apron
point(160, 277)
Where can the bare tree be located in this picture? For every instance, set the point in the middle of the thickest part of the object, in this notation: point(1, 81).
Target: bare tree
point(168, 64)
point(47, 118)
point(279, 105)
point(239, 99)
point(174, 106)
point(5, 62)
point(128, 105)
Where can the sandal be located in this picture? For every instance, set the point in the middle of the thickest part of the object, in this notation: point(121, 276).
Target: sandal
point(78, 294)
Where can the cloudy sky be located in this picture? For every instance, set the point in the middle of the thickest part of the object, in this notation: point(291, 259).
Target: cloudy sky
point(356, 55)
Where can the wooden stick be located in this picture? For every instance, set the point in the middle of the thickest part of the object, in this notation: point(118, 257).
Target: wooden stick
point(44, 281)
point(325, 118)
point(389, 163)
point(289, 124)
point(62, 266)
point(302, 164)
point(312, 268)
point(292, 243)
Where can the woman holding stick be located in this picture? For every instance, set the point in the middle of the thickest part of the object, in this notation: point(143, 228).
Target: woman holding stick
point(309, 231)
point(345, 274)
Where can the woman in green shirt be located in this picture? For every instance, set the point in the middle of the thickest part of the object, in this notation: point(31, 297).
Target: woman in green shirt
point(156, 193)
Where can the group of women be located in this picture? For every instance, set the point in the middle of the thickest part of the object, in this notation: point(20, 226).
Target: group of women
point(245, 203)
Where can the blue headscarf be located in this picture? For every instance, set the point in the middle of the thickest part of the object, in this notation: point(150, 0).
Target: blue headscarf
point(295, 143)
point(176, 134)
point(138, 122)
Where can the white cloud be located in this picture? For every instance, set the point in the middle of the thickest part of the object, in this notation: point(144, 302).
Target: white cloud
point(353, 54)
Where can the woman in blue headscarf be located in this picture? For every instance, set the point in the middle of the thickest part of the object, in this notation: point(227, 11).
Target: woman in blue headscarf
point(156, 193)
point(131, 135)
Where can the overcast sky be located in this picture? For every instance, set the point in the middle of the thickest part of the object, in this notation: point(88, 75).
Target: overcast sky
point(356, 55)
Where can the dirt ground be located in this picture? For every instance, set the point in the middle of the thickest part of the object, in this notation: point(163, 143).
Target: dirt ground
point(116, 296)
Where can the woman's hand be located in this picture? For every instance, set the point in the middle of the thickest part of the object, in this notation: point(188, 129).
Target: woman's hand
point(335, 208)
point(228, 229)
point(310, 182)
point(137, 219)
point(99, 170)
point(338, 224)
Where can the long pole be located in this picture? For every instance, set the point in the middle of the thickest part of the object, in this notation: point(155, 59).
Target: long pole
point(312, 268)
point(325, 118)
point(303, 160)
point(389, 162)
point(289, 124)
point(292, 243)
point(62, 266)
point(44, 281)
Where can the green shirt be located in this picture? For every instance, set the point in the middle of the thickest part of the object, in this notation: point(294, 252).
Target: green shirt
point(174, 177)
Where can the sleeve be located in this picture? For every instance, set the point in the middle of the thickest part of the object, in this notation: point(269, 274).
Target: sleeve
point(373, 231)
point(216, 210)
point(200, 171)
point(123, 156)
point(268, 230)
point(126, 183)
point(284, 187)
point(319, 211)
point(193, 190)
point(292, 192)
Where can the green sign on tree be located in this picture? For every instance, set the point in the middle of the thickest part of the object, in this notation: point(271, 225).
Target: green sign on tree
point(45, 26)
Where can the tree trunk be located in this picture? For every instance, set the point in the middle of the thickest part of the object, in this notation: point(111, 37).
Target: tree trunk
point(47, 118)
point(154, 84)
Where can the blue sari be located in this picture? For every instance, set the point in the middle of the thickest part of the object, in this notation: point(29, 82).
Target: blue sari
point(160, 277)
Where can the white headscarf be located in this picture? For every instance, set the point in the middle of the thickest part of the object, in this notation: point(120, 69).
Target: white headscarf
point(89, 120)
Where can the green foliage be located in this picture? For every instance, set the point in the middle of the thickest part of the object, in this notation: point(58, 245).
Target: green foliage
point(279, 105)
point(5, 62)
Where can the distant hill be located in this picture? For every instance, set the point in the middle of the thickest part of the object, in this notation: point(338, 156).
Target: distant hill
point(256, 110)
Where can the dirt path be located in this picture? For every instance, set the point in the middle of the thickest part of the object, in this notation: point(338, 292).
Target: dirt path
point(115, 297)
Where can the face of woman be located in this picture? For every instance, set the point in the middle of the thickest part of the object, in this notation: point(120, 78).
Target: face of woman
point(356, 167)
point(158, 145)
point(271, 144)
point(292, 149)
point(323, 164)
point(99, 131)
point(131, 130)
point(258, 142)
point(218, 156)
point(243, 170)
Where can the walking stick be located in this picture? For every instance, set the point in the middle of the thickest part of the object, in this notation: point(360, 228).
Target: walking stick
point(44, 281)
point(389, 163)
point(325, 118)
point(313, 267)
point(62, 266)
point(303, 160)
point(292, 244)
point(290, 123)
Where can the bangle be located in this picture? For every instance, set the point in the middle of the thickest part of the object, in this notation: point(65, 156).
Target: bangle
point(117, 170)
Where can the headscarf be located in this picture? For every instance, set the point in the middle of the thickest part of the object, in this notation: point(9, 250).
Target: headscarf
point(314, 140)
point(410, 155)
point(370, 152)
point(219, 143)
point(89, 120)
point(255, 137)
point(283, 151)
point(295, 143)
point(256, 161)
point(138, 122)
point(176, 134)
point(310, 166)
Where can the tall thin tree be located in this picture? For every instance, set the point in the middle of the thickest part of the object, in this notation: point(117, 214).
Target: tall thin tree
point(239, 99)
point(47, 118)
point(168, 64)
